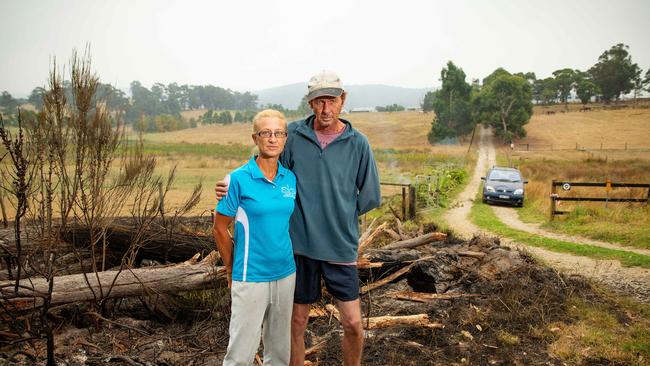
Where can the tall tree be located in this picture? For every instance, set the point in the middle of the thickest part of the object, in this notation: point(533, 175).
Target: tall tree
point(614, 73)
point(8, 102)
point(564, 81)
point(638, 82)
point(115, 99)
point(427, 103)
point(505, 104)
point(36, 97)
point(529, 76)
point(452, 106)
point(549, 90)
point(585, 87)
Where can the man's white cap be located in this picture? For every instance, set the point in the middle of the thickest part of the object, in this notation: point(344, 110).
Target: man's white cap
point(325, 83)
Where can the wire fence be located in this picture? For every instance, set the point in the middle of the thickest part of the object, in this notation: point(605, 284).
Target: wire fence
point(578, 147)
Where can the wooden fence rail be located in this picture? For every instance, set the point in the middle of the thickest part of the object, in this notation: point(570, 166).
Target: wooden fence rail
point(577, 147)
point(608, 184)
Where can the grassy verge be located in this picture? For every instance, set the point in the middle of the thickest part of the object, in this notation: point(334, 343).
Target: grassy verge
point(629, 226)
point(483, 216)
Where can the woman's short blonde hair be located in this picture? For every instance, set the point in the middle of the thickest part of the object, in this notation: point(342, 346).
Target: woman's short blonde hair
point(268, 113)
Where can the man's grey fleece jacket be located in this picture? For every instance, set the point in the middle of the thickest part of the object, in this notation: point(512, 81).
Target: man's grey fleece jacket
point(334, 186)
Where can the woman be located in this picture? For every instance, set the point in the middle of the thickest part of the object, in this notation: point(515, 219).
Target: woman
point(259, 263)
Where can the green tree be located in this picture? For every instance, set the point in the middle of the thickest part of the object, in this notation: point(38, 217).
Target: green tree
point(8, 102)
point(452, 106)
point(538, 90)
point(585, 87)
point(529, 76)
point(638, 83)
point(427, 103)
point(390, 108)
point(549, 90)
point(207, 117)
point(505, 104)
point(224, 118)
point(646, 80)
point(614, 73)
point(398, 108)
point(36, 97)
point(249, 115)
point(564, 82)
point(495, 74)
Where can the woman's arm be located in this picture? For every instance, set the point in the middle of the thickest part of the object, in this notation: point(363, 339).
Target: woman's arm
point(224, 242)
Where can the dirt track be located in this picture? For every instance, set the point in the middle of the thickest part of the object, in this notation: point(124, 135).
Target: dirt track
point(632, 281)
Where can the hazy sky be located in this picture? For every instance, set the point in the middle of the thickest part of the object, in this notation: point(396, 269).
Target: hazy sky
point(252, 45)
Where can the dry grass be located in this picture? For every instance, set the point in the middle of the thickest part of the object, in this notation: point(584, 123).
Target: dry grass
point(236, 133)
point(398, 130)
point(195, 113)
point(611, 128)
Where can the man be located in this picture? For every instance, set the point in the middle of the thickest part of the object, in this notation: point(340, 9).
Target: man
point(337, 181)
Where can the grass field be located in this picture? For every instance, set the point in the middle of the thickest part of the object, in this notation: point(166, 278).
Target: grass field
point(612, 129)
point(397, 130)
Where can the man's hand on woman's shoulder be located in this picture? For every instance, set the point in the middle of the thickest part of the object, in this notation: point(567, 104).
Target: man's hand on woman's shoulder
point(221, 189)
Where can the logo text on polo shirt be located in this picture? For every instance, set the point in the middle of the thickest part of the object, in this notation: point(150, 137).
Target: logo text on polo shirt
point(288, 192)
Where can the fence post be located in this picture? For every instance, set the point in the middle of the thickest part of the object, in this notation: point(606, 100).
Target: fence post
point(552, 199)
point(411, 202)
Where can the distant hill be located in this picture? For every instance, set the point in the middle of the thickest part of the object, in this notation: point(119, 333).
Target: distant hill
point(359, 96)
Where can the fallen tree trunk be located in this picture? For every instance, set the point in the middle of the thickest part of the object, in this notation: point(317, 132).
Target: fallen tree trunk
point(155, 243)
point(426, 297)
point(191, 275)
point(417, 320)
point(417, 241)
point(380, 322)
point(385, 280)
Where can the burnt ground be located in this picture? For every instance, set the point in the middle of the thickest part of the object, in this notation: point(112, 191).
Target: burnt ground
point(508, 321)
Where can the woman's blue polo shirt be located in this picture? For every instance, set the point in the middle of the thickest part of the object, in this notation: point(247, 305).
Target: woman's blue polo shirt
point(262, 209)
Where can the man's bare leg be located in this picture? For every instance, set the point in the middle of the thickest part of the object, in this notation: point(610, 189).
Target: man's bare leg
point(352, 331)
point(299, 320)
